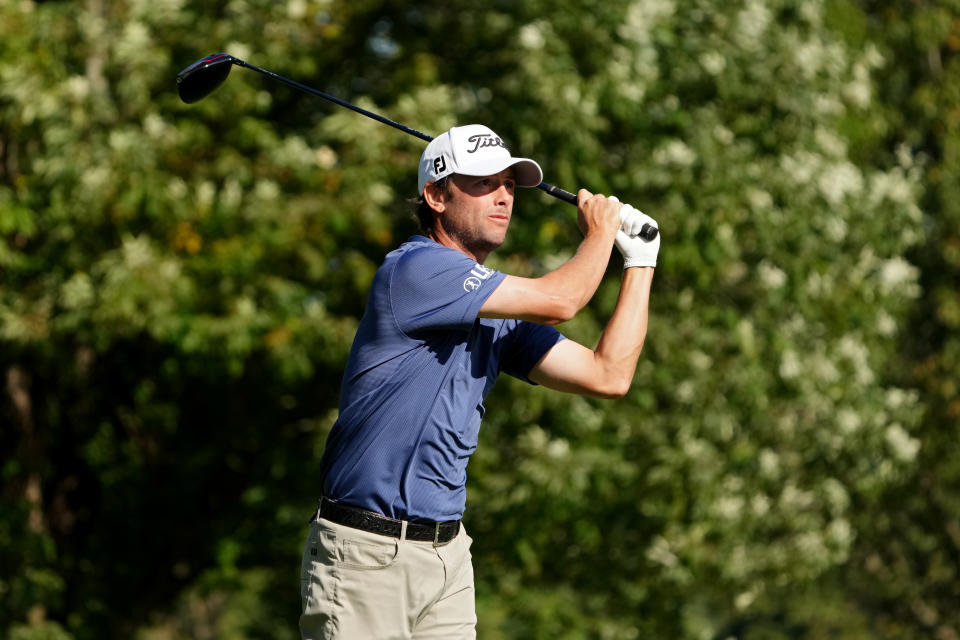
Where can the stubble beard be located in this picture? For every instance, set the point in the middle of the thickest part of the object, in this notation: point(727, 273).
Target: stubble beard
point(477, 242)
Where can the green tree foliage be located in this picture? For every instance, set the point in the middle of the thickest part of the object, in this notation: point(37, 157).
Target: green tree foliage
point(905, 568)
point(180, 286)
point(760, 414)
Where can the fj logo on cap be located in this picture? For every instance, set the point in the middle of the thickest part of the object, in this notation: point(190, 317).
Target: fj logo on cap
point(482, 140)
point(439, 165)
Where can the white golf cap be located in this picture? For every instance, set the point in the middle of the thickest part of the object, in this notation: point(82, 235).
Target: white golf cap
point(473, 150)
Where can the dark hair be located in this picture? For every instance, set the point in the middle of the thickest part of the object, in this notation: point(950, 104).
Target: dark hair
point(423, 211)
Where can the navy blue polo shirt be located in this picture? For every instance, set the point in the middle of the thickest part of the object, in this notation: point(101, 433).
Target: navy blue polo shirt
point(421, 364)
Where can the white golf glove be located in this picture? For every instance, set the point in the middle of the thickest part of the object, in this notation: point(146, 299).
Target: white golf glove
point(636, 251)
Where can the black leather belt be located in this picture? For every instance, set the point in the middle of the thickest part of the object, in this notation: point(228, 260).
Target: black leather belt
point(357, 518)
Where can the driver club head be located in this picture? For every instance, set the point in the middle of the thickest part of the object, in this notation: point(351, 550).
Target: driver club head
point(203, 77)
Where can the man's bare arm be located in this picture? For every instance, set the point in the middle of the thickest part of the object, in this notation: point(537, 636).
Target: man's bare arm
point(606, 371)
point(559, 295)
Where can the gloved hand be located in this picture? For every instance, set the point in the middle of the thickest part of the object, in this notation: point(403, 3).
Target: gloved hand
point(636, 251)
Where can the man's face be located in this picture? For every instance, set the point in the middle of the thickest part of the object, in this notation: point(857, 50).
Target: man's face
point(476, 214)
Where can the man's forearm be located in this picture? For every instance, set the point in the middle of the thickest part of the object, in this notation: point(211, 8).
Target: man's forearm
point(579, 277)
point(557, 296)
point(622, 340)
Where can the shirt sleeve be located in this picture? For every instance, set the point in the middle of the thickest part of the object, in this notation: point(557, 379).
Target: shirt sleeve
point(527, 345)
point(439, 288)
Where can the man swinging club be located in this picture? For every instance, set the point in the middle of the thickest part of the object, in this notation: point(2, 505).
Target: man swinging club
point(386, 555)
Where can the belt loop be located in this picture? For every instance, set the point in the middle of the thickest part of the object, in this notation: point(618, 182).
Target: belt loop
point(403, 530)
point(436, 534)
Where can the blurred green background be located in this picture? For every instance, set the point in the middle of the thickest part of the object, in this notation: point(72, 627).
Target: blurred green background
point(179, 286)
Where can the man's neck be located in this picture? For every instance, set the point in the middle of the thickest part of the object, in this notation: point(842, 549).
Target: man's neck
point(440, 236)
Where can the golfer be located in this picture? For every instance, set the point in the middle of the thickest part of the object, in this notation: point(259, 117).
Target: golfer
point(386, 555)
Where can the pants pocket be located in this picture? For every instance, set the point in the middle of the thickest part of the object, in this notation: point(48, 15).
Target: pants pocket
point(367, 554)
point(317, 579)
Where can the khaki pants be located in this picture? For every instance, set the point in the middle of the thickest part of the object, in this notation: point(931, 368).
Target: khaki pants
point(358, 585)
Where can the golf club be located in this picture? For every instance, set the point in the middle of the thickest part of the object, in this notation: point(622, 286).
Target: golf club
point(203, 77)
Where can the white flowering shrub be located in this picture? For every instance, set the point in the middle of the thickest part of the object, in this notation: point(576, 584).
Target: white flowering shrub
point(765, 405)
point(179, 287)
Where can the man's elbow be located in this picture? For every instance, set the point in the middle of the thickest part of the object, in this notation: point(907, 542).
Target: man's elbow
point(564, 311)
point(556, 313)
point(612, 389)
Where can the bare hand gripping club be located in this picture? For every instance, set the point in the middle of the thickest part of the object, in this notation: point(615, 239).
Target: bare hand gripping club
point(203, 77)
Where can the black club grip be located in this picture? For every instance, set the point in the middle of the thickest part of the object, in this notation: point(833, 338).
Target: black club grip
point(648, 232)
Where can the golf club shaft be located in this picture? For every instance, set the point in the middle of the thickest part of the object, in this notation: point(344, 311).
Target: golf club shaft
point(205, 75)
point(335, 100)
point(554, 191)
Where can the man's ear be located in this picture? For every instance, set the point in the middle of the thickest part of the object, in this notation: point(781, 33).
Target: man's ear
point(434, 197)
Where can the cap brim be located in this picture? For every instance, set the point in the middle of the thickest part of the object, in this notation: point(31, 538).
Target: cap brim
point(526, 171)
